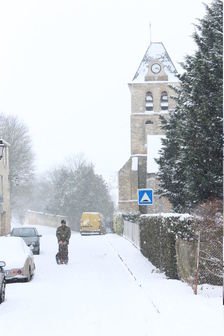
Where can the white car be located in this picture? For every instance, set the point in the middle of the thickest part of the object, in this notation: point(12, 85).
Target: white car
point(18, 258)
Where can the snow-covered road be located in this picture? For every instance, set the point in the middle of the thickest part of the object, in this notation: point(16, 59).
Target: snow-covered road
point(108, 288)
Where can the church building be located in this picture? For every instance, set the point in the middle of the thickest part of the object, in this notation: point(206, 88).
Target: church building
point(151, 91)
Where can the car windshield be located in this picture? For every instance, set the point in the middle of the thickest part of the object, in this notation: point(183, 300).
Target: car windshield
point(24, 232)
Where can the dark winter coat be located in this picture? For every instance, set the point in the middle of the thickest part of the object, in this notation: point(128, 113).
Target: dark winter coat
point(63, 233)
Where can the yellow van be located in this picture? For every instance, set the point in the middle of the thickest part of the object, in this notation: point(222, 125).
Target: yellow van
point(92, 223)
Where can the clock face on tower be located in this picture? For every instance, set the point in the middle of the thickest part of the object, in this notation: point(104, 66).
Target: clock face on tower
point(156, 68)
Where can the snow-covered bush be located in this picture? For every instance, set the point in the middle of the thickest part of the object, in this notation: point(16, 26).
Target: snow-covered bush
point(158, 235)
point(118, 223)
point(118, 220)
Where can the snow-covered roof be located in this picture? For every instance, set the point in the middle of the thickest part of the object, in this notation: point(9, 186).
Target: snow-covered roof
point(156, 51)
point(134, 166)
point(181, 216)
point(14, 252)
point(2, 141)
point(154, 144)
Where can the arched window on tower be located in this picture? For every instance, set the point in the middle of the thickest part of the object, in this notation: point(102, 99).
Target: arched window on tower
point(149, 101)
point(164, 101)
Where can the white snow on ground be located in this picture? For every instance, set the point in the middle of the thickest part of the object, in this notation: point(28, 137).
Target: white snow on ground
point(107, 289)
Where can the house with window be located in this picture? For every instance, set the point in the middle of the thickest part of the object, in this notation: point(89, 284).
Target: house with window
point(151, 97)
point(5, 225)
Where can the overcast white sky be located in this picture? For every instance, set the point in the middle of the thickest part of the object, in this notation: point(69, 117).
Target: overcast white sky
point(65, 66)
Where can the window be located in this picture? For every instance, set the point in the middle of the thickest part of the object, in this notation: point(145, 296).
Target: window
point(149, 101)
point(24, 232)
point(164, 101)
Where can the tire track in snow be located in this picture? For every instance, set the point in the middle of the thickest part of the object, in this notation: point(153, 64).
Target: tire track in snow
point(134, 277)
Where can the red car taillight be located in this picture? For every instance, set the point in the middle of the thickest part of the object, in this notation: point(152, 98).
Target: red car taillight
point(19, 271)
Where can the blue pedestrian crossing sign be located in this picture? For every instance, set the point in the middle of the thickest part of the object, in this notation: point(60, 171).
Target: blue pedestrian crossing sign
point(145, 196)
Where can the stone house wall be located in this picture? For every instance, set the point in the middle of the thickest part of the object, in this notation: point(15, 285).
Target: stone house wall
point(5, 215)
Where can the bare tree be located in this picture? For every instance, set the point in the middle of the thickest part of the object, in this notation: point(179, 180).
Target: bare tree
point(73, 188)
point(210, 227)
point(21, 159)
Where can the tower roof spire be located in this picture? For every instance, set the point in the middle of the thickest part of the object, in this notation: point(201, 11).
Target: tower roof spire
point(156, 51)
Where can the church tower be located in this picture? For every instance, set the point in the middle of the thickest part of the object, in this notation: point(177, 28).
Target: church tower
point(151, 91)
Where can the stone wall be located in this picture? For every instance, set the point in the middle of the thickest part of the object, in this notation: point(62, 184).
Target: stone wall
point(153, 124)
point(124, 181)
point(138, 94)
point(145, 122)
point(128, 182)
point(186, 260)
point(131, 178)
point(40, 218)
point(160, 204)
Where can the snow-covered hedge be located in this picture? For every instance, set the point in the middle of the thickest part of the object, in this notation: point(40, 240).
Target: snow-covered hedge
point(118, 221)
point(158, 235)
point(171, 241)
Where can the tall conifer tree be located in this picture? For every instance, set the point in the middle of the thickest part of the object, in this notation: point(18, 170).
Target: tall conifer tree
point(191, 159)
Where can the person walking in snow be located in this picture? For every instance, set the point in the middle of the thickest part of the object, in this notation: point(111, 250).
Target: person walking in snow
point(63, 234)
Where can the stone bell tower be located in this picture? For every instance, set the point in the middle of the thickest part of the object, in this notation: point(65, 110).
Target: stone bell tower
point(151, 91)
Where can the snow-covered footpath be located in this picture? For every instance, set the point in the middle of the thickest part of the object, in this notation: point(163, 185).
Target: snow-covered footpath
point(107, 289)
